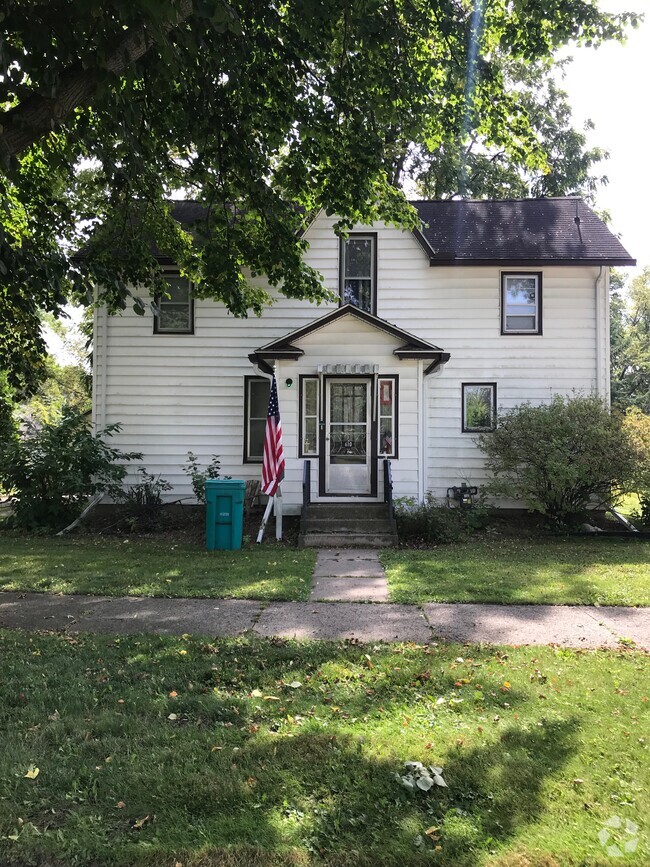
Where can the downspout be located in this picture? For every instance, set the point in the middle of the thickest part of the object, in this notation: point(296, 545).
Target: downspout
point(421, 432)
point(601, 333)
point(100, 363)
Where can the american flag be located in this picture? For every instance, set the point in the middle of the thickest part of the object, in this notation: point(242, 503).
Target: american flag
point(273, 463)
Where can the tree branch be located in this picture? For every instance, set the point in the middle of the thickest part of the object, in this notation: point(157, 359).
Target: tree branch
point(24, 124)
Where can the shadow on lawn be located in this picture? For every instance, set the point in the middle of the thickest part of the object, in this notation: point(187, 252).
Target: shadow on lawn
point(554, 570)
point(346, 809)
point(238, 781)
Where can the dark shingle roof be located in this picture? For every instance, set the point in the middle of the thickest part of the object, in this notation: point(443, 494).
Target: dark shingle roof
point(518, 231)
point(493, 232)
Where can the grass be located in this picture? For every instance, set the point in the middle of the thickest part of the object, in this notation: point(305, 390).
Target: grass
point(136, 567)
point(555, 571)
point(165, 751)
point(629, 505)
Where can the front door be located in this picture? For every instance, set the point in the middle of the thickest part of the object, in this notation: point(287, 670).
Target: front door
point(348, 438)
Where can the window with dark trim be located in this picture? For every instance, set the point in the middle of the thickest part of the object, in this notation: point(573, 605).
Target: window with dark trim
point(176, 308)
point(358, 276)
point(479, 406)
point(387, 407)
point(521, 302)
point(256, 404)
point(309, 416)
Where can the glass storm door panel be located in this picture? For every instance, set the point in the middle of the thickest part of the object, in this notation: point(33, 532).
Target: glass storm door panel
point(347, 439)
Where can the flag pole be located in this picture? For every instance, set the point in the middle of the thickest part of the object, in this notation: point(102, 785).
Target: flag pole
point(273, 462)
point(267, 512)
point(277, 511)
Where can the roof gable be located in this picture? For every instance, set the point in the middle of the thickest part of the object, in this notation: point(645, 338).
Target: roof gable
point(409, 346)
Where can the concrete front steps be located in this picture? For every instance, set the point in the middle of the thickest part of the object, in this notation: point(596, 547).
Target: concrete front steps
point(347, 525)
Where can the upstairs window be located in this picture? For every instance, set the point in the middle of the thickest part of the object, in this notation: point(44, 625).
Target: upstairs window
point(521, 303)
point(175, 308)
point(358, 272)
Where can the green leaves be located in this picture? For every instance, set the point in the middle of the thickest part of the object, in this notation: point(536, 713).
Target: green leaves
point(263, 113)
point(559, 458)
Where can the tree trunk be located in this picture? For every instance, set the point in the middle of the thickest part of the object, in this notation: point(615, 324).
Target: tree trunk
point(21, 126)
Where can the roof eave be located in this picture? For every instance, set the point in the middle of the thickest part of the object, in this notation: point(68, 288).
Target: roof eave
point(529, 263)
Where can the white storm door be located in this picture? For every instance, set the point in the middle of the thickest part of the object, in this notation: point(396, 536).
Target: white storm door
point(348, 437)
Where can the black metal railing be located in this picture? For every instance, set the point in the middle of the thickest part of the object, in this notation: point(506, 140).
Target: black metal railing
point(306, 495)
point(388, 492)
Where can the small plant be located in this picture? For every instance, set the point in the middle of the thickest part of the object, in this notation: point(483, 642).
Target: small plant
point(431, 523)
point(198, 477)
point(144, 500)
point(52, 470)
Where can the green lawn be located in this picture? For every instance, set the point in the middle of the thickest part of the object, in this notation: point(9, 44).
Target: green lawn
point(629, 505)
point(556, 571)
point(133, 567)
point(164, 751)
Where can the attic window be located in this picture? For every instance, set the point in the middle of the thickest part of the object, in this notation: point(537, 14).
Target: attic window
point(358, 272)
point(175, 308)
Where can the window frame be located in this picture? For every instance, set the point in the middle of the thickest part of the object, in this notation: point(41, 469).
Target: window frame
point(394, 377)
point(158, 301)
point(538, 330)
point(372, 236)
point(301, 414)
point(247, 459)
point(474, 430)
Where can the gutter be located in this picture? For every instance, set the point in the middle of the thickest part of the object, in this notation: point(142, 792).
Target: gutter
point(421, 433)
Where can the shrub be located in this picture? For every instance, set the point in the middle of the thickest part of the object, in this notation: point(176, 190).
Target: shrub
point(431, 523)
point(637, 427)
point(560, 458)
point(52, 470)
point(198, 477)
point(144, 500)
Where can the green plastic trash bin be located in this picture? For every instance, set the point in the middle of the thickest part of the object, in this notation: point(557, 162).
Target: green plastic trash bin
point(224, 500)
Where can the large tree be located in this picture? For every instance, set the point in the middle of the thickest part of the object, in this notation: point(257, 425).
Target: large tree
point(264, 112)
point(475, 165)
point(630, 342)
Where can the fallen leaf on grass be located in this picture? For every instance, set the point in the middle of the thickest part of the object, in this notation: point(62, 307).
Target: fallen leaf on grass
point(137, 824)
point(271, 698)
point(173, 716)
point(32, 772)
point(295, 684)
point(120, 805)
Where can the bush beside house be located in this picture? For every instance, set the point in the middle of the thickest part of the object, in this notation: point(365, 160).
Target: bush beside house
point(562, 458)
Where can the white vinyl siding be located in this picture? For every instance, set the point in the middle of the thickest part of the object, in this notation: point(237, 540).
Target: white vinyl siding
point(187, 394)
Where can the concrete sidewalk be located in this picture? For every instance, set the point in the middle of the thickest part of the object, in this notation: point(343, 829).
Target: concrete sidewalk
point(568, 626)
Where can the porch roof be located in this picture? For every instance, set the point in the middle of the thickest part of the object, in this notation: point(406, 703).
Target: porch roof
point(412, 346)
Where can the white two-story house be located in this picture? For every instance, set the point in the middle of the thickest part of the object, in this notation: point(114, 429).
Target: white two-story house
point(488, 305)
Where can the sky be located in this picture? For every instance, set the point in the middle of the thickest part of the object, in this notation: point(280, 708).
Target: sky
point(610, 86)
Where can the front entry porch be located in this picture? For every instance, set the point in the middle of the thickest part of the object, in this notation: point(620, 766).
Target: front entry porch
point(344, 524)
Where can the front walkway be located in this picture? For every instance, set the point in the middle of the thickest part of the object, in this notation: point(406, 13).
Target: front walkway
point(568, 626)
